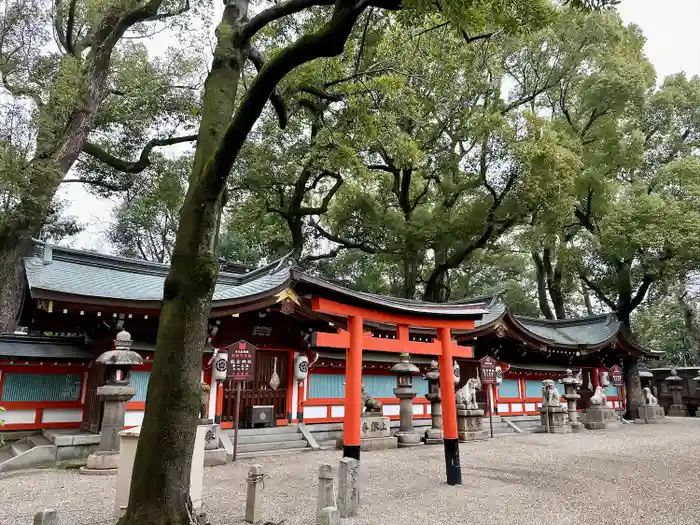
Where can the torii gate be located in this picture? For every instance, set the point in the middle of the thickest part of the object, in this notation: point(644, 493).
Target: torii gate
point(354, 339)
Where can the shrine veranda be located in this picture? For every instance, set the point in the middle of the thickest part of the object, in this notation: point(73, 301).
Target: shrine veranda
point(634, 474)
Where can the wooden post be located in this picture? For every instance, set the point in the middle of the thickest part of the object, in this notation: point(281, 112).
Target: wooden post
point(449, 410)
point(490, 395)
point(236, 419)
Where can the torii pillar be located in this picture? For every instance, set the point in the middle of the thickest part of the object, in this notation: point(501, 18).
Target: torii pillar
point(449, 409)
point(353, 390)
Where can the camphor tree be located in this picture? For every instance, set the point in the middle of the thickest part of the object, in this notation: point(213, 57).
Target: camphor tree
point(66, 65)
point(159, 492)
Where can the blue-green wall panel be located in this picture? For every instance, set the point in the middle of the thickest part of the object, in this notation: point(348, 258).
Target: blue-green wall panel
point(508, 388)
point(332, 386)
point(139, 380)
point(18, 387)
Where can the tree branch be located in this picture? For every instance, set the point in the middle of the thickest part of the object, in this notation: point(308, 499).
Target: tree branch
point(344, 242)
point(69, 27)
point(598, 292)
point(323, 208)
point(276, 12)
point(144, 160)
point(275, 98)
point(101, 184)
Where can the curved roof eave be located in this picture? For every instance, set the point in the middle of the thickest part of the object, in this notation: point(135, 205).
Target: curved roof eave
point(398, 305)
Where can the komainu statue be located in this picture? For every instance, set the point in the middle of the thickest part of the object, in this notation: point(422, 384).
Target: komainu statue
point(371, 405)
point(599, 398)
point(469, 392)
point(649, 399)
point(550, 394)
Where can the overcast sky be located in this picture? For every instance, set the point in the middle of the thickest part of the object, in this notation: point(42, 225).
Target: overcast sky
point(673, 44)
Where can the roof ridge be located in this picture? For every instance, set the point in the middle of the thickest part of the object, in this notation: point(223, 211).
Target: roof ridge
point(575, 321)
point(139, 266)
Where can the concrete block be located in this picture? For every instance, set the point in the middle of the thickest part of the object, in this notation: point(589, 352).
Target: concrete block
point(378, 443)
point(86, 439)
point(60, 440)
point(215, 457)
point(46, 517)
point(328, 516)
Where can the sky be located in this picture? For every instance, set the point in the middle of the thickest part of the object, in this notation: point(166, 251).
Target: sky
point(673, 45)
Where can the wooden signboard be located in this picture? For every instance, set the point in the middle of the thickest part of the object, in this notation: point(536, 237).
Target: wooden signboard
point(488, 370)
point(241, 361)
point(241, 367)
point(616, 376)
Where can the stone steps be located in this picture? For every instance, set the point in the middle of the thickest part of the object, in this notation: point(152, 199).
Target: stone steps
point(267, 453)
point(253, 442)
point(28, 452)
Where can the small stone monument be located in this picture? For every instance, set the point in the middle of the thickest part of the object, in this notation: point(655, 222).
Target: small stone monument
point(433, 436)
point(553, 417)
point(650, 412)
point(114, 394)
point(253, 508)
point(326, 496)
point(468, 412)
point(600, 414)
point(348, 487)
point(572, 383)
point(675, 385)
point(405, 391)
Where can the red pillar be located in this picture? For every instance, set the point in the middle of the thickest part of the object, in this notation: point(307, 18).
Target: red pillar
point(353, 390)
point(449, 410)
point(219, 401)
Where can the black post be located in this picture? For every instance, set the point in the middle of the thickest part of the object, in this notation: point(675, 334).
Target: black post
point(452, 467)
point(236, 419)
point(351, 451)
point(489, 394)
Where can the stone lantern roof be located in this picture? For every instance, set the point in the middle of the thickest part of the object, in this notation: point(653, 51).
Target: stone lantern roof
point(121, 355)
point(404, 366)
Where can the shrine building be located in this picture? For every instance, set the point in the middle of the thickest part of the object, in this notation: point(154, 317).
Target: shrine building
point(76, 302)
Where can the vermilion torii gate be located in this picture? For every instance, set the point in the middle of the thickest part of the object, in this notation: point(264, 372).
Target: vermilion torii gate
point(355, 339)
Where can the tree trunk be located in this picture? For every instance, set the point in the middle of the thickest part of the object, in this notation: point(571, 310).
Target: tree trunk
point(160, 481)
point(542, 298)
point(12, 279)
point(633, 388)
point(586, 298)
point(172, 403)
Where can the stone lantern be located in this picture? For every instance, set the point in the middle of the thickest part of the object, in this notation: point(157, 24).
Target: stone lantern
point(405, 391)
point(433, 436)
point(571, 386)
point(675, 385)
point(114, 394)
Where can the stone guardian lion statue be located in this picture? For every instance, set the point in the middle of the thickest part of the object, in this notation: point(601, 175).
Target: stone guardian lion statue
point(649, 399)
point(550, 394)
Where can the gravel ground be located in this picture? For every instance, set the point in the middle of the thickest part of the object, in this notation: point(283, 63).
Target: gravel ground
point(635, 474)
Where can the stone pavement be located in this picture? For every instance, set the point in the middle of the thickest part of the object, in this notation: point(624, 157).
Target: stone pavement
point(634, 474)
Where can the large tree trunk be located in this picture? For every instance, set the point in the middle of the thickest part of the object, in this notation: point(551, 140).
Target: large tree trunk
point(12, 279)
point(541, 277)
point(160, 481)
point(633, 388)
point(172, 403)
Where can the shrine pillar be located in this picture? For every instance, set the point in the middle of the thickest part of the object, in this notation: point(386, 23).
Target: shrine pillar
point(353, 390)
point(449, 410)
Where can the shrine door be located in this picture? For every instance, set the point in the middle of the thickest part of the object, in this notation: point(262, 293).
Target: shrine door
point(92, 412)
point(259, 391)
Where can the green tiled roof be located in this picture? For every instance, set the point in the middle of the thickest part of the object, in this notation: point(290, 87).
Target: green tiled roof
point(588, 331)
point(102, 276)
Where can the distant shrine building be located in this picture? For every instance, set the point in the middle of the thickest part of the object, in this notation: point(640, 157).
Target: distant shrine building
point(76, 302)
